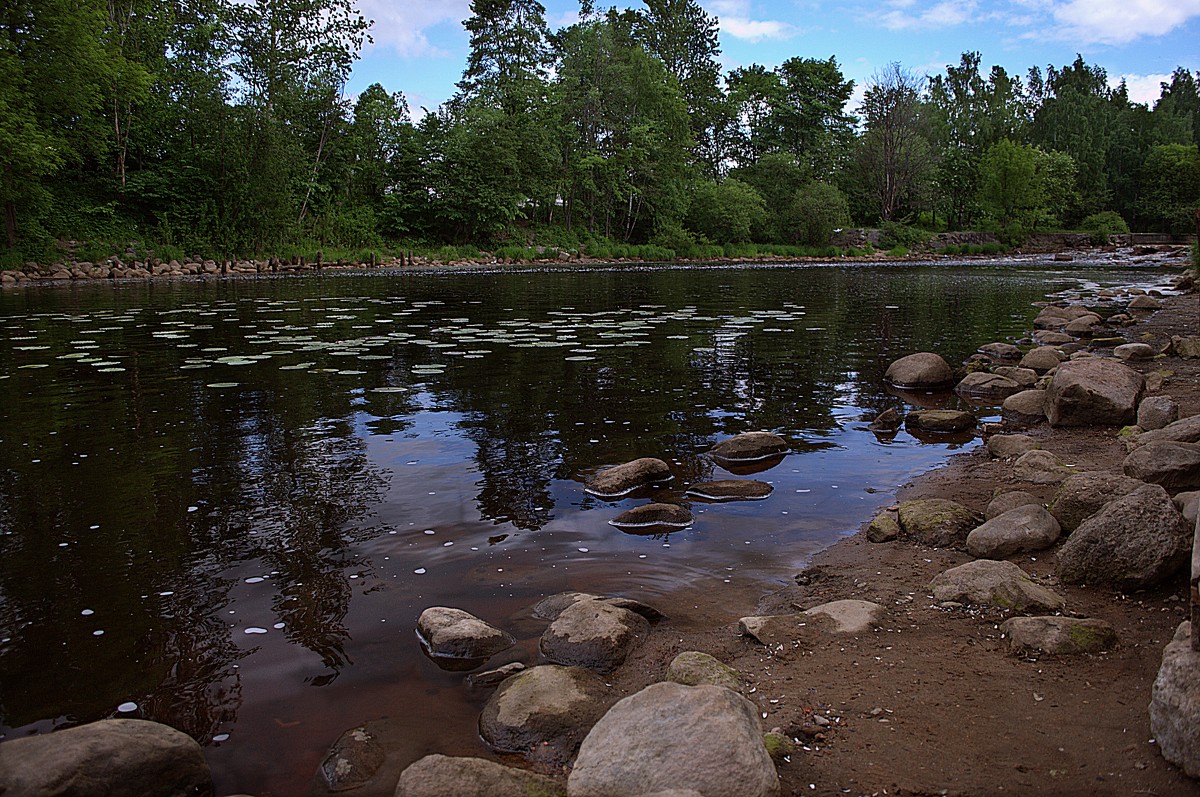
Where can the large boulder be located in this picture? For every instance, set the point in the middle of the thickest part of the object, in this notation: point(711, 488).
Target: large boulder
point(455, 634)
point(593, 634)
point(921, 370)
point(1062, 636)
point(750, 447)
point(544, 712)
point(1176, 466)
point(1134, 542)
point(109, 758)
point(623, 479)
point(444, 776)
point(1026, 528)
point(982, 385)
point(993, 583)
point(1082, 495)
point(937, 522)
point(1094, 392)
point(1175, 703)
point(670, 736)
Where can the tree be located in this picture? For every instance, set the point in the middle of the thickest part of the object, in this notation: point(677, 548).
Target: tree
point(1180, 101)
point(1171, 188)
point(685, 38)
point(1009, 187)
point(725, 212)
point(815, 213)
point(895, 159)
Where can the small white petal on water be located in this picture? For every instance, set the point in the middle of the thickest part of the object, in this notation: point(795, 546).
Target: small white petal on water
point(255, 630)
point(420, 571)
point(125, 708)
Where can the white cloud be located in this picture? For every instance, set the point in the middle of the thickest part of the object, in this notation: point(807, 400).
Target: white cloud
point(754, 30)
point(1122, 21)
point(401, 25)
point(945, 14)
point(1142, 88)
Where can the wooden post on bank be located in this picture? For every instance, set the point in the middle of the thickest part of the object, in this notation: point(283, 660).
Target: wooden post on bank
point(320, 259)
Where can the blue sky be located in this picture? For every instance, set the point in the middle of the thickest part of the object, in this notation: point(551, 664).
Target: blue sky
point(420, 46)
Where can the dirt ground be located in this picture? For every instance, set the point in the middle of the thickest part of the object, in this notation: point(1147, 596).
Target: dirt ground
point(931, 703)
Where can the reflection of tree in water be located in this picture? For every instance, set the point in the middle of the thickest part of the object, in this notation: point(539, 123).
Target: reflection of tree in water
point(516, 475)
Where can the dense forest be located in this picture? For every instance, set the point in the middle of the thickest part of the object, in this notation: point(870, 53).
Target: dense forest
point(224, 127)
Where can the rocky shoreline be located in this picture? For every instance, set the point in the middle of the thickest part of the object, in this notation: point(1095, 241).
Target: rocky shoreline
point(890, 665)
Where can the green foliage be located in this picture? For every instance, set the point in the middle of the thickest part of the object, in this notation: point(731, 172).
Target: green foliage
point(897, 234)
point(1171, 188)
point(815, 213)
point(1102, 225)
point(726, 212)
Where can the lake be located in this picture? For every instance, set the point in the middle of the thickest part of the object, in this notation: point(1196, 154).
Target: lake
point(223, 504)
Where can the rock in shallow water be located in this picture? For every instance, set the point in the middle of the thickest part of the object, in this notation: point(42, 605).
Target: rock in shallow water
point(593, 634)
point(622, 479)
point(750, 447)
point(456, 634)
point(652, 515)
point(921, 370)
point(731, 490)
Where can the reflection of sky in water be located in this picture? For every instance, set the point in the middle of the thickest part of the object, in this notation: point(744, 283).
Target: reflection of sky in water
point(253, 488)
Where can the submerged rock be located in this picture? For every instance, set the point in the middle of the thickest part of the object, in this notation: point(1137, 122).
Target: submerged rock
point(920, 370)
point(887, 421)
point(653, 515)
point(731, 490)
point(750, 447)
point(622, 479)
point(352, 761)
point(670, 736)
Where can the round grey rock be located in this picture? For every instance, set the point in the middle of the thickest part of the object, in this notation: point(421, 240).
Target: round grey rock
point(544, 712)
point(1040, 467)
point(444, 776)
point(731, 490)
point(983, 385)
point(1026, 528)
point(1025, 407)
point(593, 634)
point(670, 736)
point(454, 633)
point(1062, 636)
point(109, 758)
point(921, 370)
point(1003, 502)
point(1156, 412)
point(1010, 446)
point(994, 583)
point(937, 522)
point(1134, 351)
point(1042, 359)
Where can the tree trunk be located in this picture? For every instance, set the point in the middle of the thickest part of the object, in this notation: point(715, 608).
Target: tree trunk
point(10, 223)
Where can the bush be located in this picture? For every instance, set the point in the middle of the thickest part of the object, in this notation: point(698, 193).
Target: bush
point(897, 234)
point(1102, 225)
point(816, 211)
point(725, 212)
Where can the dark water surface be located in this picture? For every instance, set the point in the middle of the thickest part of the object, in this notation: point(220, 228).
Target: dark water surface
point(224, 504)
